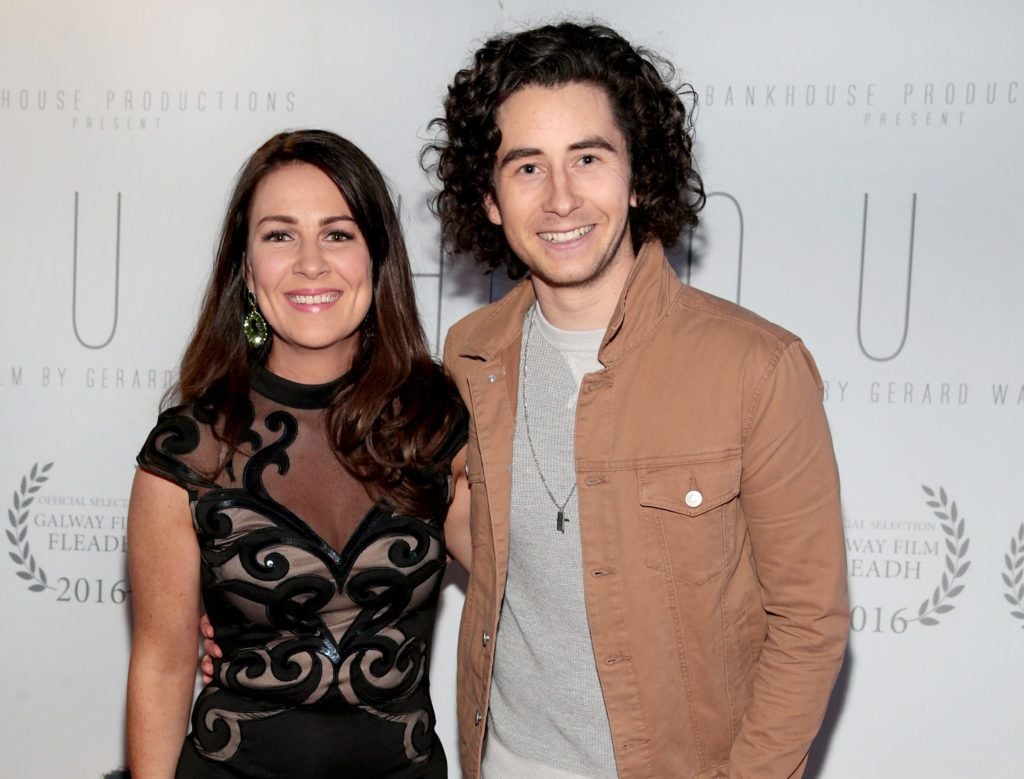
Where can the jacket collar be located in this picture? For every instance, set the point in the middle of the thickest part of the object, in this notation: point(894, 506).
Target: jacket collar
point(643, 302)
point(502, 324)
point(646, 297)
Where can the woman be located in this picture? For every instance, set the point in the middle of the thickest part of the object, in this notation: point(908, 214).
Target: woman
point(300, 489)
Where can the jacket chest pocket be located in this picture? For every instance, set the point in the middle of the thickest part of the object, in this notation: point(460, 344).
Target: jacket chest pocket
point(688, 516)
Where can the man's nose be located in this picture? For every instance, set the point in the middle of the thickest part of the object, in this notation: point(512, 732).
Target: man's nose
point(562, 197)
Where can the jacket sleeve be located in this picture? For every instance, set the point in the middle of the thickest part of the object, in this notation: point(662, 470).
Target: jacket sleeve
point(789, 492)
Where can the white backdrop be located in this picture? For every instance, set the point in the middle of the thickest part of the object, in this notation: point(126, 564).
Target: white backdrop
point(867, 166)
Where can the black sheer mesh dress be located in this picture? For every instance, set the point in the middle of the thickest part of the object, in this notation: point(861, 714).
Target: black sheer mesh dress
point(323, 600)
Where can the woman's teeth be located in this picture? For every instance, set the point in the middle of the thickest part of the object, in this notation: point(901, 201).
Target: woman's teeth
point(327, 297)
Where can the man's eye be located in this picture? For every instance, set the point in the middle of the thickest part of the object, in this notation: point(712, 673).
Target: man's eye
point(586, 159)
point(529, 168)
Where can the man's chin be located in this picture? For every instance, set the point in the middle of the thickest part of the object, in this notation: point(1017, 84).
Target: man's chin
point(576, 274)
point(568, 280)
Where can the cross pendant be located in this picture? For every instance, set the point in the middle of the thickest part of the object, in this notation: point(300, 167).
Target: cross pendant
point(560, 521)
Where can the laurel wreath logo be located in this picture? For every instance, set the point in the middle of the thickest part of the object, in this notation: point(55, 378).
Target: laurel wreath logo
point(17, 534)
point(956, 565)
point(1014, 579)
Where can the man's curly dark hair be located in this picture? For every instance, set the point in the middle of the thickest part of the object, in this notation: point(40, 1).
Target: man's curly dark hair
point(646, 103)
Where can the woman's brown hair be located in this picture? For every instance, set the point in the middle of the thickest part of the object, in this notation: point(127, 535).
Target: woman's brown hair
point(393, 422)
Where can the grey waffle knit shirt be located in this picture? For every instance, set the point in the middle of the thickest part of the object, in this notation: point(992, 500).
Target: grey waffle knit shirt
point(546, 703)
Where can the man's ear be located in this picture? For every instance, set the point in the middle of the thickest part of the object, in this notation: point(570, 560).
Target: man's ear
point(491, 207)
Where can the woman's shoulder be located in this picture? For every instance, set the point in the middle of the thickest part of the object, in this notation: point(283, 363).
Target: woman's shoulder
point(185, 445)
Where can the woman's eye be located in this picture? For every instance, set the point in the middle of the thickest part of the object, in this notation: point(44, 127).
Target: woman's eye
point(338, 235)
point(276, 236)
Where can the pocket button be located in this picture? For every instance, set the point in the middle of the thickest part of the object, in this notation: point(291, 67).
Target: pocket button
point(693, 498)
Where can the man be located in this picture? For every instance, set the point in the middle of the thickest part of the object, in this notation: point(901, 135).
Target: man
point(658, 579)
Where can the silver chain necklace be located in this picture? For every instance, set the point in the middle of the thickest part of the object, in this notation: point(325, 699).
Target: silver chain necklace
point(560, 518)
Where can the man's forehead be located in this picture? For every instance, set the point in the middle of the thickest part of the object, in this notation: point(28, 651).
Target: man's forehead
point(562, 114)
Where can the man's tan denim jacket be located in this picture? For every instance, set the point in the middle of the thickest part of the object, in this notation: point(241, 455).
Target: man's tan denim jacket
point(713, 561)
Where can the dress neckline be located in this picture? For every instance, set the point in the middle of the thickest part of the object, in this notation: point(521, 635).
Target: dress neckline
point(291, 393)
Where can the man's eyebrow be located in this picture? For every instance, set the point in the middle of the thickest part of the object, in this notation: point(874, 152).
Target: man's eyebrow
point(517, 154)
point(594, 142)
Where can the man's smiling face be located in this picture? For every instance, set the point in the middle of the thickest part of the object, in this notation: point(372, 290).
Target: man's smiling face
point(562, 186)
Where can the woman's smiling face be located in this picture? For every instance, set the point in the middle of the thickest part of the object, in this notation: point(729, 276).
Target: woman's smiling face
point(310, 268)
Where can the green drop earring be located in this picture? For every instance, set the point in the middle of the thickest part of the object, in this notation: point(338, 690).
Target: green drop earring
point(254, 325)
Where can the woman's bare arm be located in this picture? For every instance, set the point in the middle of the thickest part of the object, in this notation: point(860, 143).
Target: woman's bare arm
point(163, 563)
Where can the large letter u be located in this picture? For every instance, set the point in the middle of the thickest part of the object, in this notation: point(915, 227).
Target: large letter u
point(74, 280)
point(860, 292)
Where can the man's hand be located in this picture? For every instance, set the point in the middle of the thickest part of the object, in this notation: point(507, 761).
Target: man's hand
point(210, 649)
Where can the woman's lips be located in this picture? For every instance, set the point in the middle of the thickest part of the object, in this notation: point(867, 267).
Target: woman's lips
point(312, 300)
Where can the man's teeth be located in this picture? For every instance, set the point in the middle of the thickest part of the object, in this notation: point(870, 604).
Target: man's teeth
point(327, 297)
point(569, 235)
